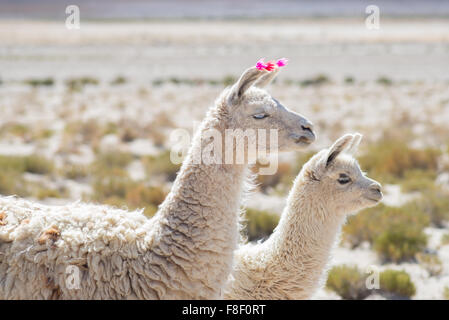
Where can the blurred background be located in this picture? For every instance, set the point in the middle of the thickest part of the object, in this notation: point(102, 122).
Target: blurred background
point(87, 113)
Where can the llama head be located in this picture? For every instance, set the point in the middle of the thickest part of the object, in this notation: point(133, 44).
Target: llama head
point(249, 106)
point(335, 176)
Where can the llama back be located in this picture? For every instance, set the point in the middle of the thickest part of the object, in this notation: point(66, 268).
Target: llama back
point(72, 250)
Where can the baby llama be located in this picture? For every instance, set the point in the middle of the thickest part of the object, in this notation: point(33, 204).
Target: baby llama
point(86, 251)
point(291, 263)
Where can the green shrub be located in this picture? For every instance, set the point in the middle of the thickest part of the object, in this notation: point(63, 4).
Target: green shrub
point(318, 80)
point(44, 193)
point(260, 224)
point(349, 80)
point(114, 187)
point(38, 164)
point(33, 164)
point(228, 80)
point(12, 183)
point(430, 262)
point(385, 81)
point(110, 183)
point(141, 196)
point(118, 81)
point(12, 164)
point(15, 129)
point(397, 284)
point(418, 180)
point(40, 82)
point(109, 160)
point(400, 243)
point(77, 84)
point(370, 223)
point(161, 165)
point(435, 203)
point(390, 159)
point(75, 171)
point(348, 282)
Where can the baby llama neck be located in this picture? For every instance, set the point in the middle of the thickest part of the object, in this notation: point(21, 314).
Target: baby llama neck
point(303, 239)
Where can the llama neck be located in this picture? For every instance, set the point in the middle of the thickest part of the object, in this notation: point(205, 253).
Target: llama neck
point(304, 238)
point(198, 221)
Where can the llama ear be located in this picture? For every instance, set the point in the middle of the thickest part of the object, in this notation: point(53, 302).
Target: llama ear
point(247, 79)
point(352, 149)
point(338, 147)
point(267, 78)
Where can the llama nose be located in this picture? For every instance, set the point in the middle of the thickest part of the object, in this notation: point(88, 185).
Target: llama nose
point(308, 130)
point(376, 188)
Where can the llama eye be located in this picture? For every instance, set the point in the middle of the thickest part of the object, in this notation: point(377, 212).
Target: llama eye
point(343, 179)
point(260, 116)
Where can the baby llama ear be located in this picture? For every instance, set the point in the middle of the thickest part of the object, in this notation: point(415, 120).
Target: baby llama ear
point(338, 147)
point(352, 149)
point(267, 78)
point(247, 79)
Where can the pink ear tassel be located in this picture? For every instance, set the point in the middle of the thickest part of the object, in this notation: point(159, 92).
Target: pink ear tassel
point(269, 66)
point(260, 64)
point(282, 62)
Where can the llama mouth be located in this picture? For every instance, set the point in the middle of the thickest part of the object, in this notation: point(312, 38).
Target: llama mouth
point(303, 140)
point(376, 200)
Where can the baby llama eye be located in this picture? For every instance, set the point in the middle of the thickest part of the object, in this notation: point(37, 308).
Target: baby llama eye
point(260, 116)
point(343, 179)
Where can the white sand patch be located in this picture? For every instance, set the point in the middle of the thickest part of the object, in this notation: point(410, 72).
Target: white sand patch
point(17, 149)
point(136, 170)
point(394, 197)
point(260, 201)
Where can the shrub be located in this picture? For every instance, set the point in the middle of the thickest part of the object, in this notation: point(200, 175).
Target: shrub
point(347, 282)
point(391, 158)
point(118, 81)
point(228, 80)
point(435, 203)
point(38, 164)
point(397, 283)
point(33, 164)
point(74, 171)
point(418, 180)
point(265, 182)
point(110, 160)
point(400, 242)
point(141, 196)
point(15, 129)
point(40, 82)
point(260, 224)
point(161, 165)
point(11, 183)
point(430, 262)
point(385, 81)
point(77, 84)
point(110, 183)
point(318, 80)
point(113, 186)
point(349, 80)
point(12, 164)
point(370, 223)
point(44, 193)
